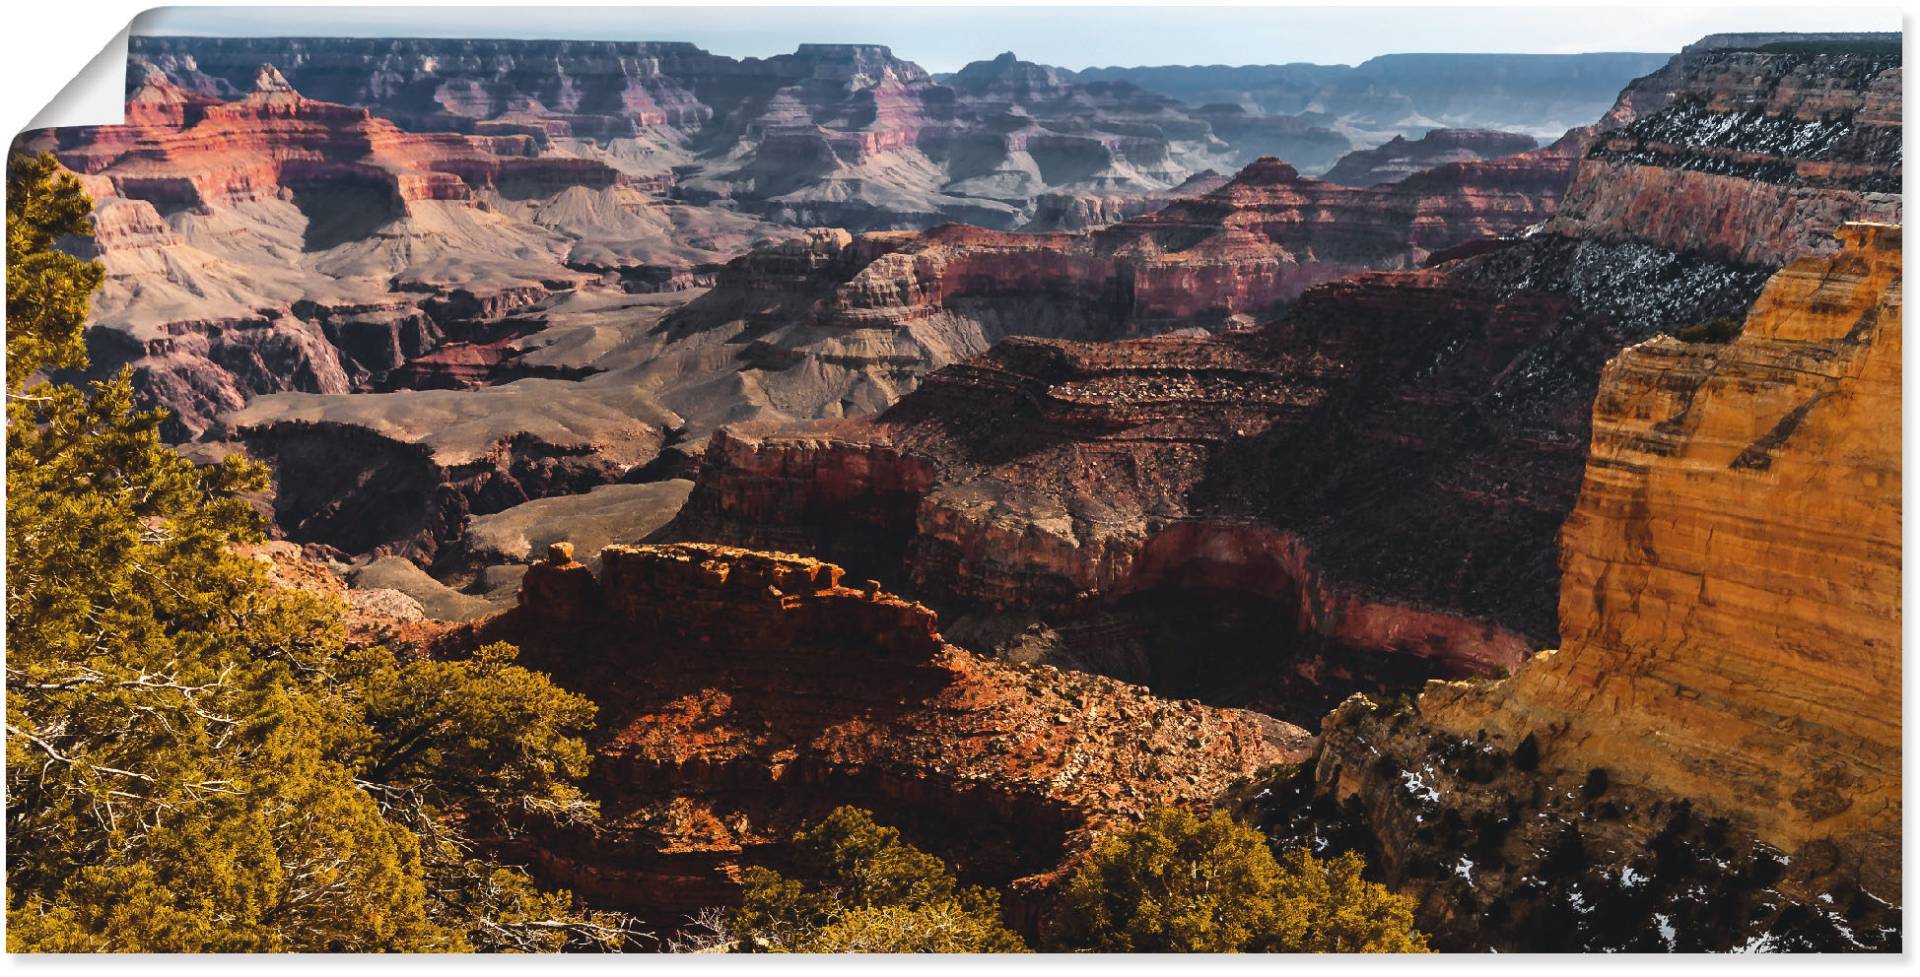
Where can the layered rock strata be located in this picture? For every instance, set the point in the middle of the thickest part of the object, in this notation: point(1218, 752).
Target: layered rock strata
point(1401, 157)
point(1419, 435)
point(276, 242)
point(832, 325)
point(1730, 597)
point(743, 694)
point(1710, 760)
point(1753, 156)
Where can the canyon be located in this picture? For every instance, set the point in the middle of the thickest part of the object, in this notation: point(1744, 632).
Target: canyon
point(1441, 457)
point(1406, 443)
point(335, 216)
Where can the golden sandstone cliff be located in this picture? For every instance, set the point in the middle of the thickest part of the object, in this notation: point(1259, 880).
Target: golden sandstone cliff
point(1730, 599)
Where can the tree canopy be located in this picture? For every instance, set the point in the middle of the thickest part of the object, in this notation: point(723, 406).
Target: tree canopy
point(196, 759)
point(1180, 883)
point(867, 892)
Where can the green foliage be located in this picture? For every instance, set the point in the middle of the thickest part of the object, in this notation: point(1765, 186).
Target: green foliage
point(875, 894)
point(1178, 883)
point(1721, 330)
point(47, 289)
point(195, 759)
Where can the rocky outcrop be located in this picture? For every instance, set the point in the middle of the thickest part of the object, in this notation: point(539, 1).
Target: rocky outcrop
point(1401, 157)
point(743, 694)
point(400, 473)
point(1073, 480)
point(1730, 609)
point(1418, 436)
point(1711, 759)
point(1754, 156)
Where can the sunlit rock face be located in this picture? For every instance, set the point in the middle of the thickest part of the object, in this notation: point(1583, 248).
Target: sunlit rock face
point(1711, 758)
point(744, 694)
point(1730, 587)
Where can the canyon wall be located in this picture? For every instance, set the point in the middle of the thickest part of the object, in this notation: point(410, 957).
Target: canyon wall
point(1730, 585)
point(744, 694)
point(1753, 156)
point(1419, 435)
point(1711, 758)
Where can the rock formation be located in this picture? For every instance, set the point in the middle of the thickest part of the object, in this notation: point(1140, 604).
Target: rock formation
point(832, 325)
point(1729, 657)
point(1730, 584)
point(279, 243)
point(834, 134)
point(1407, 443)
point(1400, 157)
point(1752, 156)
point(743, 694)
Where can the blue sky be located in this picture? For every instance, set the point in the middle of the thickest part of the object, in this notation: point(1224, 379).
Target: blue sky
point(944, 38)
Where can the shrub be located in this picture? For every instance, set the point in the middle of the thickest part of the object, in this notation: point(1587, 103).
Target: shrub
point(1720, 330)
point(1178, 883)
point(872, 893)
point(196, 761)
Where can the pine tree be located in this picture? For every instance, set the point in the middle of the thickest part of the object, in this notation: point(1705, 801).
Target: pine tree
point(1182, 884)
point(872, 893)
point(196, 761)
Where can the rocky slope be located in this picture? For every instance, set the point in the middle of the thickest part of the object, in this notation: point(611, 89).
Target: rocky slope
point(743, 694)
point(832, 325)
point(1405, 444)
point(1730, 612)
point(1729, 658)
point(1753, 156)
point(400, 473)
point(278, 243)
point(1401, 157)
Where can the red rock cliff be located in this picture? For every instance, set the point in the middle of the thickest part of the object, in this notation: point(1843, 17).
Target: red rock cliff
point(744, 693)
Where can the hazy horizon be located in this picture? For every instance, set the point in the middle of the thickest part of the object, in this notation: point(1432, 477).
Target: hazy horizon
point(944, 39)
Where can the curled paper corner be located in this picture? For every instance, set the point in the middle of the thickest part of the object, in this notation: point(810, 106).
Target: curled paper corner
point(97, 95)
